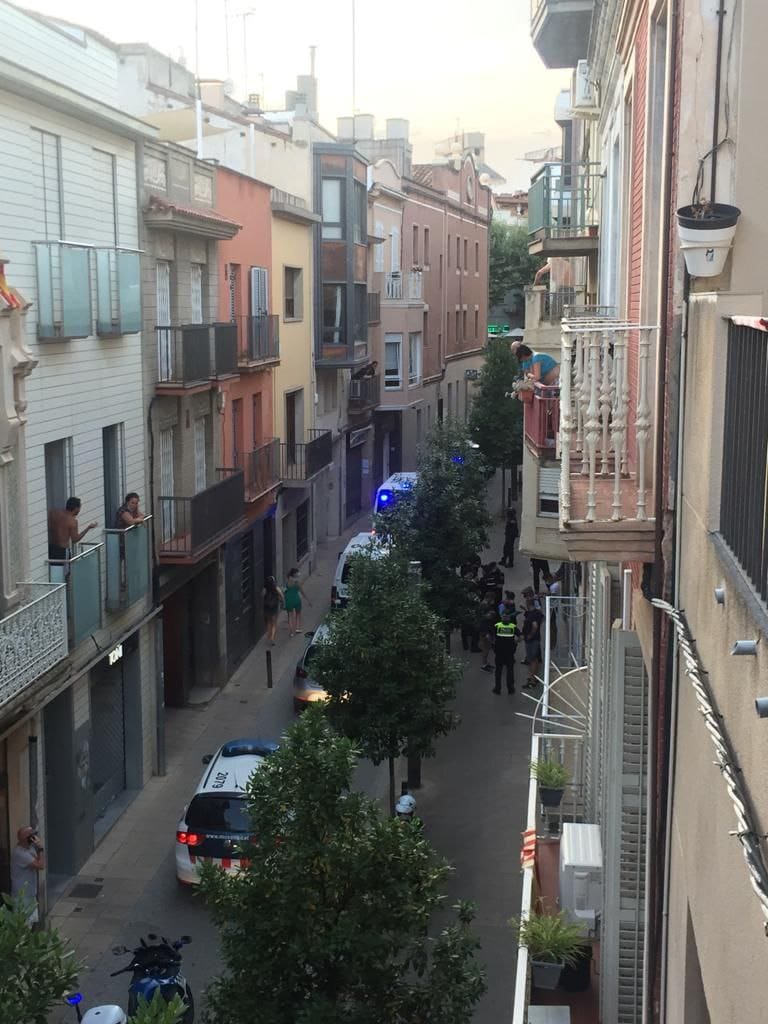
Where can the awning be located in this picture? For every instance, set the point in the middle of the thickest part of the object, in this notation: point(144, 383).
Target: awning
point(760, 323)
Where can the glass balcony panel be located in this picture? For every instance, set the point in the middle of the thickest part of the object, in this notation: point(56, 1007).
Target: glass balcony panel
point(45, 310)
point(75, 292)
point(137, 562)
point(129, 291)
point(82, 575)
point(104, 318)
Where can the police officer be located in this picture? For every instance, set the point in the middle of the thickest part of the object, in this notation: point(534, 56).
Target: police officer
point(505, 643)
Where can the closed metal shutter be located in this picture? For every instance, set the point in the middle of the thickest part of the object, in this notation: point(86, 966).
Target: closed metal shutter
point(107, 737)
point(259, 291)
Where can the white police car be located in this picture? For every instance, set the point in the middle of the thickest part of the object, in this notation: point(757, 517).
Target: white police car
point(216, 821)
point(394, 487)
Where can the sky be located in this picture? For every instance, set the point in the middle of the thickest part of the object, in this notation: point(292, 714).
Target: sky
point(455, 65)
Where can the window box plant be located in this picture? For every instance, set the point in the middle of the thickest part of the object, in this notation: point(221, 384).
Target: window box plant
point(552, 777)
point(552, 941)
point(706, 232)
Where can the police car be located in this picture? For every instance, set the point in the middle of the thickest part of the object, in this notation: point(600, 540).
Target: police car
point(394, 487)
point(216, 821)
point(361, 543)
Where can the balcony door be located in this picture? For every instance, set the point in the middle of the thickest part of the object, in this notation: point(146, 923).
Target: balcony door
point(259, 291)
point(237, 433)
point(201, 471)
point(114, 472)
point(167, 508)
point(196, 292)
point(164, 351)
point(294, 422)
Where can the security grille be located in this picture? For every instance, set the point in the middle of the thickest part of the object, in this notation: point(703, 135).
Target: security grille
point(107, 738)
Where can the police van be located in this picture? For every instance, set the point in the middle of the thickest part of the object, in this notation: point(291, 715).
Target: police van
point(216, 821)
point(359, 544)
point(394, 487)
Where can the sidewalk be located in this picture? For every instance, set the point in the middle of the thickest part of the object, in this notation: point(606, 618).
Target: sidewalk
point(127, 887)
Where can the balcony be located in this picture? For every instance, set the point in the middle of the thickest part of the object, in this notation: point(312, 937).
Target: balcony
point(605, 440)
point(560, 30)
point(81, 574)
point(190, 528)
point(261, 468)
point(118, 292)
point(33, 637)
point(191, 355)
point(300, 462)
point(364, 393)
point(407, 288)
point(541, 418)
point(374, 307)
point(63, 291)
point(564, 210)
point(258, 341)
point(127, 554)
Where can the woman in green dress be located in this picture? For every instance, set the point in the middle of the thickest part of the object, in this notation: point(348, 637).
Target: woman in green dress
point(292, 595)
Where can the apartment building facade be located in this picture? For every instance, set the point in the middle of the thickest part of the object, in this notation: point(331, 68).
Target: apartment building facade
point(78, 669)
point(661, 493)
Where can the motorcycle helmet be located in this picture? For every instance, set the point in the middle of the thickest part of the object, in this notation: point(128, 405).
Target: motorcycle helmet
point(405, 806)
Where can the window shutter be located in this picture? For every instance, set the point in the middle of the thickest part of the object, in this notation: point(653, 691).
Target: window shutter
point(259, 291)
point(167, 509)
point(624, 825)
point(196, 293)
point(200, 473)
point(378, 250)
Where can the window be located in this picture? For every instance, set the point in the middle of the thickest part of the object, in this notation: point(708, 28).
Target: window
point(361, 312)
point(167, 508)
point(196, 293)
point(50, 185)
point(103, 194)
point(415, 256)
point(477, 324)
point(378, 250)
point(334, 314)
point(425, 327)
point(257, 413)
point(449, 410)
point(394, 249)
point(292, 285)
point(114, 471)
point(360, 213)
point(393, 365)
point(58, 472)
point(448, 250)
point(302, 529)
point(333, 208)
point(477, 257)
point(457, 335)
point(418, 426)
point(464, 325)
point(426, 247)
point(549, 491)
point(466, 257)
point(441, 270)
point(458, 253)
point(201, 476)
point(414, 358)
point(237, 433)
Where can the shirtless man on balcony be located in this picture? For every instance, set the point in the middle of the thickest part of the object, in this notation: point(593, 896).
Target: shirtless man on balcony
point(64, 529)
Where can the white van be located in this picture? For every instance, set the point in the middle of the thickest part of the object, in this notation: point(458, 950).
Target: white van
point(393, 488)
point(360, 542)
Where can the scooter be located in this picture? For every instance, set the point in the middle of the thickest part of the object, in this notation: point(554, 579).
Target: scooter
point(156, 969)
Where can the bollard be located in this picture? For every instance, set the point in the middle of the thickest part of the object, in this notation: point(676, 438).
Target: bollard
point(269, 670)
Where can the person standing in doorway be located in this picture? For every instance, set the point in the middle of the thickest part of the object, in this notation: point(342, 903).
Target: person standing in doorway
point(511, 533)
point(505, 645)
point(27, 860)
point(64, 529)
point(294, 592)
point(539, 567)
point(273, 602)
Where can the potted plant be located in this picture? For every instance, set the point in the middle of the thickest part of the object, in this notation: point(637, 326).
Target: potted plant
point(552, 941)
point(706, 232)
point(552, 777)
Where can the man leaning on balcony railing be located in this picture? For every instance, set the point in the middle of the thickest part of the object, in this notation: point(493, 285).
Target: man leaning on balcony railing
point(64, 529)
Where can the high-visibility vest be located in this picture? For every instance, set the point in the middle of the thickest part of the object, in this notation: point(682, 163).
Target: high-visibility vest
point(505, 630)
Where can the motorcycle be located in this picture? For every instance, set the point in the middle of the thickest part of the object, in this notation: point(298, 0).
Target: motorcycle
point(156, 970)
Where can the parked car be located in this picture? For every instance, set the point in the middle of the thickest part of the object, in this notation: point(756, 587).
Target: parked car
point(358, 544)
point(305, 690)
point(216, 822)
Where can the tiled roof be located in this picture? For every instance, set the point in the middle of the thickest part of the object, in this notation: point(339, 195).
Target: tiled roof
point(163, 206)
point(422, 173)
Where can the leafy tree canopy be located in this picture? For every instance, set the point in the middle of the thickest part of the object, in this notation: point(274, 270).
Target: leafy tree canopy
point(495, 421)
point(329, 922)
point(511, 267)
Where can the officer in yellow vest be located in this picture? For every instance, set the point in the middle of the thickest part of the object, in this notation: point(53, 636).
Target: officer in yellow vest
point(505, 645)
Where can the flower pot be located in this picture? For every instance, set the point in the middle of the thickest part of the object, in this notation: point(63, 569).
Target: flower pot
point(550, 797)
point(545, 974)
point(705, 241)
point(576, 978)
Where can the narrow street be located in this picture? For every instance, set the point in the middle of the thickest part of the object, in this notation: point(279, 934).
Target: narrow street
point(472, 802)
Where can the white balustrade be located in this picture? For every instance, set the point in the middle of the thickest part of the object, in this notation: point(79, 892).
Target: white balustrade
point(33, 638)
point(595, 411)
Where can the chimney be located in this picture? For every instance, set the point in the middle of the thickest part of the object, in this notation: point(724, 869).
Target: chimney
point(397, 128)
point(344, 127)
point(363, 126)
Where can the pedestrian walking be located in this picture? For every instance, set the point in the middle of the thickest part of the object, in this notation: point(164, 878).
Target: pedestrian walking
point(539, 567)
point(488, 618)
point(511, 533)
point(274, 600)
point(505, 645)
point(292, 596)
point(554, 587)
point(532, 635)
point(27, 860)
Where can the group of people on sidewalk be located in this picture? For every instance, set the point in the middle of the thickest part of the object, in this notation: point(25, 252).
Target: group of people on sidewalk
point(288, 597)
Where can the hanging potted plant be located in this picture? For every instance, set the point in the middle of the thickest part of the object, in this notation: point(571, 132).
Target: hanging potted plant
point(553, 941)
point(552, 778)
point(706, 232)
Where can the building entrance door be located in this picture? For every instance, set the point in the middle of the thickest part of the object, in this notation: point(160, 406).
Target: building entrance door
point(107, 735)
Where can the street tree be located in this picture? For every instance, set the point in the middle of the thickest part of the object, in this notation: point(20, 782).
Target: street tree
point(37, 967)
point(445, 522)
point(511, 267)
point(329, 922)
point(389, 680)
point(495, 421)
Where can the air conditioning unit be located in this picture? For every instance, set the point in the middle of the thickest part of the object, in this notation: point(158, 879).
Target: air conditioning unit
point(584, 92)
point(581, 873)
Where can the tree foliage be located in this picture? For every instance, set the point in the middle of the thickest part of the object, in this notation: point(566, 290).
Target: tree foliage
point(37, 967)
point(389, 681)
point(329, 921)
point(158, 1011)
point(496, 422)
point(445, 522)
point(511, 267)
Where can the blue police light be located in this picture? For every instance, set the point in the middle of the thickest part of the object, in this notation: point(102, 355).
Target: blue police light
point(459, 459)
point(74, 998)
point(385, 497)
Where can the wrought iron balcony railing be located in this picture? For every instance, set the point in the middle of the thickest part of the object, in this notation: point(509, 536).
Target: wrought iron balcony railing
point(128, 564)
point(303, 460)
point(33, 637)
point(81, 573)
point(365, 391)
point(195, 353)
point(190, 527)
point(261, 468)
point(258, 338)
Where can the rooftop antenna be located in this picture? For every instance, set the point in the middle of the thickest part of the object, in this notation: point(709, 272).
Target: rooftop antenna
point(354, 35)
point(312, 61)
